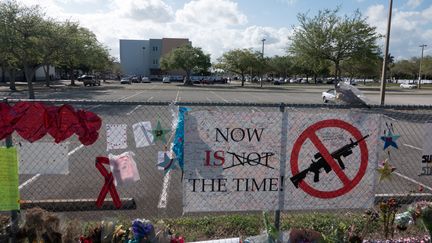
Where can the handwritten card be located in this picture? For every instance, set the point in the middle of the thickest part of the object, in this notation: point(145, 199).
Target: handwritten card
point(124, 168)
point(143, 134)
point(116, 136)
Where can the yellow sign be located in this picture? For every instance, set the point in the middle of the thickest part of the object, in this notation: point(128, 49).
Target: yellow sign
point(9, 199)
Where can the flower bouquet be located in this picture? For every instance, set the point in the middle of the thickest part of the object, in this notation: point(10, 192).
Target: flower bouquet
point(420, 210)
point(143, 231)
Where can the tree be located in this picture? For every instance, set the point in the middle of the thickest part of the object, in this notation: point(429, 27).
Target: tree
point(407, 69)
point(239, 61)
point(52, 43)
point(363, 66)
point(23, 28)
point(188, 59)
point(330, 37)
point(311, 66)
point(282, 65)
point(81, 49)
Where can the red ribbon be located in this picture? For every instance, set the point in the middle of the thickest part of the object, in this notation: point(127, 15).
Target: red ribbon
point(109, 184)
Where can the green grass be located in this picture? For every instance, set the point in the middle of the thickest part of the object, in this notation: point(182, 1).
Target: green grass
point(331, 225)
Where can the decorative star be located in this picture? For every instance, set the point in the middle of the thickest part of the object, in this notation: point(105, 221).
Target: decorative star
point(168, 163)
point(390, 140)
point(159, 133)
point(385, 170)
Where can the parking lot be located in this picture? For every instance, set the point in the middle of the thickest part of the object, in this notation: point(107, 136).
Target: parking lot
point(157, 91)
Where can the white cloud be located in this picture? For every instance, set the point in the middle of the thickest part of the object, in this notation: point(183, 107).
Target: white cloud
point(290, 2)
point(75, 1)
point(377, 16)
point(142, 10)
point(414, 3)
point(407, 29)
point(211, 13)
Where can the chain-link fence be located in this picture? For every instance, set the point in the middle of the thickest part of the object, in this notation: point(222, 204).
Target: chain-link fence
point(293, 141)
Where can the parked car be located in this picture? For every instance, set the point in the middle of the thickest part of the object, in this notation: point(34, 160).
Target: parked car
point(329, 95)
point(145, 80)
point(89, 80)
point(408, 86)
point(135, 79)
point(277, 81)
point(126, 80)
point(166, 80)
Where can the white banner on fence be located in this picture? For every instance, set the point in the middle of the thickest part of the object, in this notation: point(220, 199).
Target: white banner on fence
point(43, 158)
point(331, 161)
point(426, 159)
point(231, 161)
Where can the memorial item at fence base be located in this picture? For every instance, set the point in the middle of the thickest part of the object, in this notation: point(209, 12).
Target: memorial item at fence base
point(167, 163)
point(142, 134)
point(108, 184)
point(385, 170)
point(159, 133)
point(116, 136)
point(43, 158)
point(33, 120)
point(178, 143)
point(9, 193)
point(143, 231)
point(419, 210)
point(124, 168)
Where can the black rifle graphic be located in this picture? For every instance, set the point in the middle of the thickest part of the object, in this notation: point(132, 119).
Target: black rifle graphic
point(320, 163)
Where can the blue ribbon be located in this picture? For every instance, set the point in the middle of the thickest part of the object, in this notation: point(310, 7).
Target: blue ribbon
point(179, 136)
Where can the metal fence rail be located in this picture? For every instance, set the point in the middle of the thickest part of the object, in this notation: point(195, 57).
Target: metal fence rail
point(160, 195)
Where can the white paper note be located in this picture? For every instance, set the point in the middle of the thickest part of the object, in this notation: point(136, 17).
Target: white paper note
point(142, 133)
point(43, 158)
point(116, 136)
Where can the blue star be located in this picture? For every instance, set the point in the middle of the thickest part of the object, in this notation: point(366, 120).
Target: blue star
point(168, 163)
point(390, 140)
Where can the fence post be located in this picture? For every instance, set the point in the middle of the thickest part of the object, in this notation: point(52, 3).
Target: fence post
point(282, 166)
point(14, 213)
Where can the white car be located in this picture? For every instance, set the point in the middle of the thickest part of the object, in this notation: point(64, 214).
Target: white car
point(408, 86)
point(145, 80)
point(166, 80)
point(329, 95)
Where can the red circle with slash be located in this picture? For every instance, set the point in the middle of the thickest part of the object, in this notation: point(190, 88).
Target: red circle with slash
point(310, 133)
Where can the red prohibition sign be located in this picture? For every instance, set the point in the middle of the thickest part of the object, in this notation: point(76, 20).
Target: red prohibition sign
point(310, 133)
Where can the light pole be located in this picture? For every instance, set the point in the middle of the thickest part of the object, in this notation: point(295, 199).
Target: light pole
point(421, 60)
point(262, 57)
point(384, 69)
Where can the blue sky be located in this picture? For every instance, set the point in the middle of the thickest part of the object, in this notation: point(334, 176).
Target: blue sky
point(221, 25)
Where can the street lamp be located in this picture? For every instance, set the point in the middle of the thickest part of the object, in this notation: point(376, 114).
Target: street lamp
point(384, 69)
point(262, 56)
point(421, 60)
